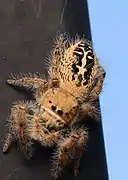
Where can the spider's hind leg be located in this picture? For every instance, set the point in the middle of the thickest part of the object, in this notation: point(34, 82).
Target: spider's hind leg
point(18, 128)
point(90, 109)
point(60, 43)
point(97, 83)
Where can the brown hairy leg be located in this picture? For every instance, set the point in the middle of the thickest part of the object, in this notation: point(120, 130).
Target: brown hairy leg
point(51, 139)
point(17, 128)
point(97, 84)
point(29, 81)
point(55, 56)
point(39, 132)
point(89, 110)
point(67, 150)
point(80, 148)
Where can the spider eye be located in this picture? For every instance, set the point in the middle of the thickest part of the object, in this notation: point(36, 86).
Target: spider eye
point(66, 114)
point(50, 101)
point(53, 107)
point(60, 112)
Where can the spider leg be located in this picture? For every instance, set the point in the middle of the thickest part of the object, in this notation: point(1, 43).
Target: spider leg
point(55, 56)
point(97, 83)
point(80, 147)
point(28, 81)
point(40, 130)
point(89, 110)
point(88, 103)
point(66, 151)
point(18, 128)
point(51, 139)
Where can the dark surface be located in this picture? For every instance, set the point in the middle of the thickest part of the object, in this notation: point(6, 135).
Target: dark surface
point(26, 31)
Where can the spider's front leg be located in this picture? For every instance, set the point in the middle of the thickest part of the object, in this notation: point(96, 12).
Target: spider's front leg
point(18, 128)
point(41, 128)
point(44, 136)
point(69, 148)
point(29, 81)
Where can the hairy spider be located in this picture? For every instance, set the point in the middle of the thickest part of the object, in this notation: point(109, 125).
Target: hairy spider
point(75, 80)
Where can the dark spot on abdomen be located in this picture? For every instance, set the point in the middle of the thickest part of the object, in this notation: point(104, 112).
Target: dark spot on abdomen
point(74, 68)
point(73, 77)
point(79, 54)
point(80, 78)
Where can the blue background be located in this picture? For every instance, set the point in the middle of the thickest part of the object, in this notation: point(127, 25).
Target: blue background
point(109, 26)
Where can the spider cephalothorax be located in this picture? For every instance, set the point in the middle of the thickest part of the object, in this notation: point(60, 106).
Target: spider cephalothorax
point(75, 81)
point(60, 104)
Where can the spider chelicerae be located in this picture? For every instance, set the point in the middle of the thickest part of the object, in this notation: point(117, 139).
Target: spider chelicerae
point(74, 82)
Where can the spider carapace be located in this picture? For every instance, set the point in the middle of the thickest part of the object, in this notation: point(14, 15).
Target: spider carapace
point(74, 82)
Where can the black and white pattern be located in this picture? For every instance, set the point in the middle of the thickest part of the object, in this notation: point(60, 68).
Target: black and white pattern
point(82, 68)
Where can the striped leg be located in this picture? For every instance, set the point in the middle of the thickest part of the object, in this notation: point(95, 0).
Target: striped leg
point(55, 56)
point(69, 148)
point(29, 81)
point(18, 128)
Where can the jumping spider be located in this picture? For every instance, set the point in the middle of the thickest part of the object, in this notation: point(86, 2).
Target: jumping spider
point(75, 80)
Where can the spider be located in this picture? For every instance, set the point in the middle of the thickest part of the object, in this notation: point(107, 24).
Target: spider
point(74, 82)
